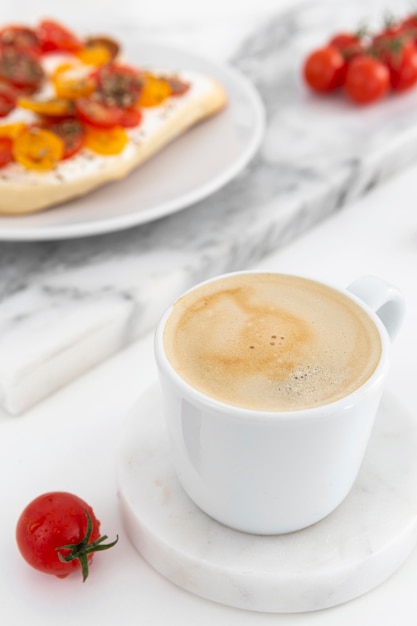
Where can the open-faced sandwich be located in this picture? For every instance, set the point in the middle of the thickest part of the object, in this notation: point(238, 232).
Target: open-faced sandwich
point(74, 115)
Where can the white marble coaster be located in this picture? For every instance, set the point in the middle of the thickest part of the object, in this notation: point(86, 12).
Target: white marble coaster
point(351, 551)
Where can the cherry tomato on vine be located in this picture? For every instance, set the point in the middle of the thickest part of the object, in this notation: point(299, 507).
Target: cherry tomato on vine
point(324, 69)
point(409, 24)
point(400, 56)
point(367, 80)
point(58, 533)
point(349, 44)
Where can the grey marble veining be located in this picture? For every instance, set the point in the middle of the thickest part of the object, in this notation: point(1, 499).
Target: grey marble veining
point(69, 304)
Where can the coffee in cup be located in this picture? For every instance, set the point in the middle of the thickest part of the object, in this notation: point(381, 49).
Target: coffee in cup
point(271, 342)
point(270, 386)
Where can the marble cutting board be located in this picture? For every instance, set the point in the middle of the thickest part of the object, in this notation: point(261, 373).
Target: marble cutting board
point(68, 305)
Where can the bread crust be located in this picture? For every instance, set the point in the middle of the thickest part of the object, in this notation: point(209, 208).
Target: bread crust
point(20, 197)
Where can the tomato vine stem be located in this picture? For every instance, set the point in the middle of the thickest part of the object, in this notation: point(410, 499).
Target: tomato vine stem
point(82, 549)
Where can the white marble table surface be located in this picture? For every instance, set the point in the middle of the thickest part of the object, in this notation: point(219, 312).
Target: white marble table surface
point(68, 305)
point(69, 442)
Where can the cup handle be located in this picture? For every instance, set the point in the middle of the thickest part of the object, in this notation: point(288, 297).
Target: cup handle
point(384, 299)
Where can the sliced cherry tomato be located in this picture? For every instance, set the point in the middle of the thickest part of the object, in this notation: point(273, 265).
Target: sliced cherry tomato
point(107, 142)
point(6, 150)
point(8, 98)
point(94, 112)
point(58, 533)
point(324, 69)
point(12, 130)
point(112, 45)
point(54, 36)
point(119, 85)
point(155, 91)
point(20, 37)
point(38, 149)
point(94, 54)
point(71, 131)
point(177, 85)
point(72, 81)
point(367, 80)
point(54, 107)
point(21, 68)
point(130, 118)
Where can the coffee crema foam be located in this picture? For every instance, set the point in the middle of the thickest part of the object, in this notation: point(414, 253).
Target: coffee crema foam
point(271, 342)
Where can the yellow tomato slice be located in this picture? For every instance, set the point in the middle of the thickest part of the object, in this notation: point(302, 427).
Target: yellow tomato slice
point(12, 130)
point(94, 54)
point(72, 81)
point(154, 91)
point(55, 107)
point(106, 141)
point(72, 88)
point(38, 149)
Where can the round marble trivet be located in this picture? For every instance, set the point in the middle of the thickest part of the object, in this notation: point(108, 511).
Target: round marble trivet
point(350, 552)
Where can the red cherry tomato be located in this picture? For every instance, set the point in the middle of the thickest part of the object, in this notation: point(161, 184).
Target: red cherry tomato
point(57, 533)
point(367, 80)
point(400, 56)
point(6, 151)
point(349, 44)
point(409, 25)
point(54, 36)
point(20, 37)
point(21, 68)
point(324, 69)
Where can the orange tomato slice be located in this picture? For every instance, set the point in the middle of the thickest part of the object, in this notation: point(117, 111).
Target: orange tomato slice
point(72, 88)
point(55, 107)
point(94, 54)
point(154, 91)
point(38, 149)
point(12, 130)
point(106, 141)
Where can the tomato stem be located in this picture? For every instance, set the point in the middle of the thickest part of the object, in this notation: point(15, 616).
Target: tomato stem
point(82, 549)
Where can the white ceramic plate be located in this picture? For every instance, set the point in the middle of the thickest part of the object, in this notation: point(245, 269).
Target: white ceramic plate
point(194, 166)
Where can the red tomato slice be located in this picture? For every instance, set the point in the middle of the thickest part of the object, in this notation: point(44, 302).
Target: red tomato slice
point(177, 85)
point(71, 131)
point(119, 85)
point(21, 68)
point(6, 150)
point(130, 118)
point(98, 114)
point(54, 36)
point(20, 37)
point(8, 97)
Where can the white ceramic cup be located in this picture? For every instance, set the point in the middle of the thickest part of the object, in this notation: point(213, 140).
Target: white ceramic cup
point(273, 472)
